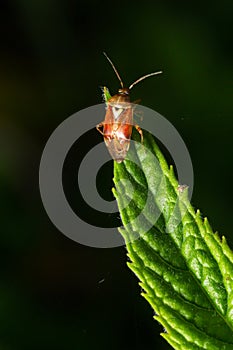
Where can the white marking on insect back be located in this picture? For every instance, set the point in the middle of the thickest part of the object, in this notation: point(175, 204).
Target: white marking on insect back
point(117, 111)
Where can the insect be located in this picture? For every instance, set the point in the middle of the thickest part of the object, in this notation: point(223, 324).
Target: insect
point(118, 123)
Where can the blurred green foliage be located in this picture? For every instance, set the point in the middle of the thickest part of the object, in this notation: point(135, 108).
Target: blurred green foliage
point(51, 65)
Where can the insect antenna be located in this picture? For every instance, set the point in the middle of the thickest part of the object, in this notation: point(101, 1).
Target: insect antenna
point(117, 74)
point(144, 77)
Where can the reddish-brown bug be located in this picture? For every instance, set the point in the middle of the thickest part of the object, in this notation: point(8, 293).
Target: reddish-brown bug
point(118, 123)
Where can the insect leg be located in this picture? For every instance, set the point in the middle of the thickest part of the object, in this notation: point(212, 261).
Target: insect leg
point(98, 126)
point(136, 102)
point(139, 130)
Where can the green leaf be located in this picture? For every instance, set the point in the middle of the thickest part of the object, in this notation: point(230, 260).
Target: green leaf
point(185, 270)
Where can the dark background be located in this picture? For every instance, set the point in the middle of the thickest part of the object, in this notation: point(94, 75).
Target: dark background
point(51, 65)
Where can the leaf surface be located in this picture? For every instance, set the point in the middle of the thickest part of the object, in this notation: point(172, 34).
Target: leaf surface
point(184, 268)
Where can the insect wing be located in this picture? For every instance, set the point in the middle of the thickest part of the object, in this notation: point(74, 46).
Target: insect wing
point(117, 148)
